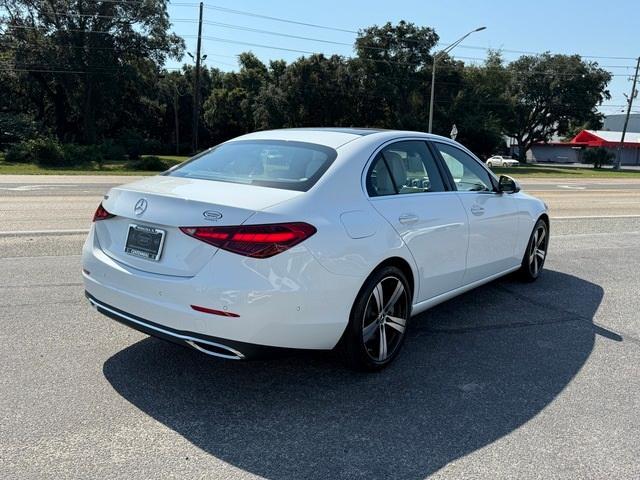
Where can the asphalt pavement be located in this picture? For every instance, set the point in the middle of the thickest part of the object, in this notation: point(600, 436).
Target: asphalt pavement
point(511, 380)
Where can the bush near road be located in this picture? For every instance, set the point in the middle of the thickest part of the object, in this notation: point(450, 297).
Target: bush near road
point(109, 167)
point(119, 167)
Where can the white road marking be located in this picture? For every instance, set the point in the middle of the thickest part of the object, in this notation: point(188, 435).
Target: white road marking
point(26, 188)
point(589, 217)
point(20, 233)
point(572, 187)
point(594, 234)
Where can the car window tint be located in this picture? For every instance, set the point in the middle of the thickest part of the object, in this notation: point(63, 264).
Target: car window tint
point(268, 163)
point(379, 181)
point(468, 175)
point(404, 168)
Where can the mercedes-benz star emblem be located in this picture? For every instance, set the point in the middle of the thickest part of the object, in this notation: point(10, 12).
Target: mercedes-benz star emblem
point(140, 207)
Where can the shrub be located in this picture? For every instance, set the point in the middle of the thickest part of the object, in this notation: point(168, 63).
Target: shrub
point(132, 142)
point(151, 163)
point(152, 146)
point(47, 152)
point(598, 156)
point(82, 155)
point(17, 127)
point(43, 151)
point(19, 153)
point(113, 151)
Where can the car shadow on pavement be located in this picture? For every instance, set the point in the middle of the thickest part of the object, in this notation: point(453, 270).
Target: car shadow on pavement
point(473, 370)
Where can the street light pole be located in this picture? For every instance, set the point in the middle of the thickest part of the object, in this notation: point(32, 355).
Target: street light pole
point(436, 57)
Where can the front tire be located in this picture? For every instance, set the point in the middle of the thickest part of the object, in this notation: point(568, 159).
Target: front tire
point(536, 252)
point(378, 321)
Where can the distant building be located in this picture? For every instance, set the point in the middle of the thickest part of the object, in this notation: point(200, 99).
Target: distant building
point(615, 123)
point(571, 152)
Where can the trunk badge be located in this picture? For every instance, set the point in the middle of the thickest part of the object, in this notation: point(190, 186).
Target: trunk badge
point(212, 215)
point(140, 207)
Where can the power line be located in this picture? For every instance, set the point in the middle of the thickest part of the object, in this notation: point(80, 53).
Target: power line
point(275, 19)
point(390, 62)
point(344, 30)
point(323, 27)
point(299, 37)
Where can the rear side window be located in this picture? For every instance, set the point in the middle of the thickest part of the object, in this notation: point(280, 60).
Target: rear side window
point(267, 163)
point(404, 168)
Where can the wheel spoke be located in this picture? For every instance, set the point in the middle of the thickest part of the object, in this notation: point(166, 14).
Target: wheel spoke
point(540, 253)
point(379, 297)
point(543, 233)
point(535, 265)
point(382, 351)
point(396, 323)
point(369, 331)
point(394, 296)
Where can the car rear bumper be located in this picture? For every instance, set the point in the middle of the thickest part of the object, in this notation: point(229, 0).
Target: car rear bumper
point(288, 301)
point(216, 347)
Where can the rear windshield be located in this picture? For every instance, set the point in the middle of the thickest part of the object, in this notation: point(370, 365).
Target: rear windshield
point(267, 163)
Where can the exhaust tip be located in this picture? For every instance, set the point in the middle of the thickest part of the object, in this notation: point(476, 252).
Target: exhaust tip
point(215, 350)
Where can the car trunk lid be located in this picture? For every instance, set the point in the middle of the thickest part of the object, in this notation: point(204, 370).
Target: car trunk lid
point(163, 204)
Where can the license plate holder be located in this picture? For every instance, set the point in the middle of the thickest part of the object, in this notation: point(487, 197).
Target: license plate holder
point(144, 242)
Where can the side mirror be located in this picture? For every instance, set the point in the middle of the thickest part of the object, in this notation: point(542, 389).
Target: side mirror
point(508, 185)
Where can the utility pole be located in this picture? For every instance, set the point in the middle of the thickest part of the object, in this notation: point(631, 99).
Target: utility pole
point(196, 88)
point(633, 95)
point(176, 105)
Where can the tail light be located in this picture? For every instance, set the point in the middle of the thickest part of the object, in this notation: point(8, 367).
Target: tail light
point(257, 241)
point(102, 214)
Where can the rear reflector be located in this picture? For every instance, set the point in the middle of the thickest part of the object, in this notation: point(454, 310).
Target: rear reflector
point(214, 312)
point(257, 241)
point(102, 214)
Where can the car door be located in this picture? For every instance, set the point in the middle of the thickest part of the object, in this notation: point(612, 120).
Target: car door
point(405, 184)
point(492, 216)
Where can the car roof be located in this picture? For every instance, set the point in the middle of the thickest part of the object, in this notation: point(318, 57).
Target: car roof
point(328, 136)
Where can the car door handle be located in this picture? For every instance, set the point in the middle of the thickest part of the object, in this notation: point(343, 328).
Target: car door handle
point(477, 210)
point(407, 218)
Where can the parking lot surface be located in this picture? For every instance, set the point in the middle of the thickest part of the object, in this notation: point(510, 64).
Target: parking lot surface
point(510, 380)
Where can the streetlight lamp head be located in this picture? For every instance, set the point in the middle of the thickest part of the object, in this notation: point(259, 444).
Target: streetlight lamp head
point(480, 29)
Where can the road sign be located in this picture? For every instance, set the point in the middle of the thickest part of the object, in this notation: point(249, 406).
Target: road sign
point(454, 132)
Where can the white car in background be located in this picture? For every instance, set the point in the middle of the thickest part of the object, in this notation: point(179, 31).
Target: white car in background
point(500, 161)
point(308, 239)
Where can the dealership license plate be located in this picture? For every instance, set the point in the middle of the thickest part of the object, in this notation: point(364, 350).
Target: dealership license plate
point(144, 242)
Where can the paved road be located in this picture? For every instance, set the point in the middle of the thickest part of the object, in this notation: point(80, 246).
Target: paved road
point(507, 381)
point(29, 203)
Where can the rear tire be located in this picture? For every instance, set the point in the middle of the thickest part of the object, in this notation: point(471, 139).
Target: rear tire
point(536, 252)
point(378, 321)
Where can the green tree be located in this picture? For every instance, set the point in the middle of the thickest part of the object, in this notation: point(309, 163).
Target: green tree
point(229, 108)
point(480, 105)
point(312, 91)
point(547, 94)
point(86, 62)
point(393, 75)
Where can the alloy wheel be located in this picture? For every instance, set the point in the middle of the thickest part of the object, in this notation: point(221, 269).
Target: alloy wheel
point(538, 249)
point(385, 319)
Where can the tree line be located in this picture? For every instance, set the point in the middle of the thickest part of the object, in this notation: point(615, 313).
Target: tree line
point(95, 73)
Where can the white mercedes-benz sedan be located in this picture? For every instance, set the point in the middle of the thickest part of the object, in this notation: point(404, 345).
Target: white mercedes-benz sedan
point(315, 238)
